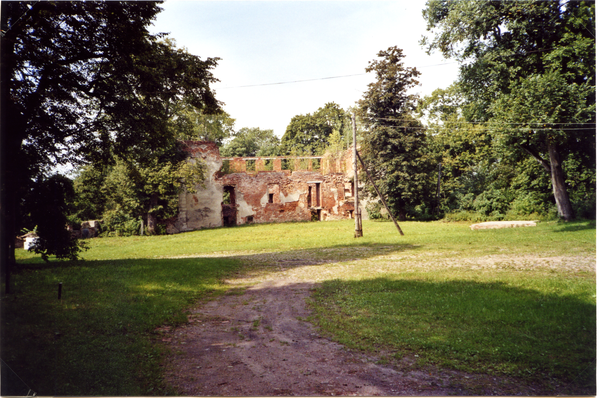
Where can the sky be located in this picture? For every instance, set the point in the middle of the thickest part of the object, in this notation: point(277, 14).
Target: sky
point(279, 59)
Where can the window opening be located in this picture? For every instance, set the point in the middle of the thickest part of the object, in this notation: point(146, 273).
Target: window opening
point(287, 164)
point(316, 164)
point(268, 164)
point(349, 190)
point(273, 193)
point(226, 167)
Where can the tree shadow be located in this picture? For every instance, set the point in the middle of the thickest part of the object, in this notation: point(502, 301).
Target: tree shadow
point(110, 309)
point(577, 226)
point(491, 327)
point(292, 258)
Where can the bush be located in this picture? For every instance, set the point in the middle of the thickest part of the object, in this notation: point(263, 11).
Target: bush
point(118, 223)
point(528, 205)
point(492, 203)
point(464, 215)
point(376, 211)
point(585, 209)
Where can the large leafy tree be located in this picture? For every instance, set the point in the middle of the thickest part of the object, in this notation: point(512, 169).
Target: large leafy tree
point(476, 174)
point(252, 142)
point(128, 192)
point(463, 150)
point(308, 134)
point(83, 81)
point(191, 123)
point(528, 69)
point(394, 141)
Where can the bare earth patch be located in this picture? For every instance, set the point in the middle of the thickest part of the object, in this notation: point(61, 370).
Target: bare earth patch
point(255, 341)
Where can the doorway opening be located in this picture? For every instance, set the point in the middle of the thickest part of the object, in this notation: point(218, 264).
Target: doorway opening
point(228, 207)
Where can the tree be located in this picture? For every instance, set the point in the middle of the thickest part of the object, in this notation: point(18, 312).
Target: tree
point(394, 141)
point(462, 149)
point(511, 52)
point(252, 142)
point(130, 192)
point(308, 134)
point(47, 206)
point(189, 123)
point(84, 81)
point(89, 203)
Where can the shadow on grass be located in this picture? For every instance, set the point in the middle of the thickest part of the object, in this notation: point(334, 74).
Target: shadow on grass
point(576, 226)
point(98, 339)
point(310, 256)
point(472, 326)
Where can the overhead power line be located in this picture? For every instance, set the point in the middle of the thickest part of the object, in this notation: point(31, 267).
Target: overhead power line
point(492, 123)
point(293, 81)
point(320, 78)
point(513, 128)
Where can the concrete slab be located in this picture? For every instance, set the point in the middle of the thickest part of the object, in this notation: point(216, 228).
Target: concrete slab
point(502, 224)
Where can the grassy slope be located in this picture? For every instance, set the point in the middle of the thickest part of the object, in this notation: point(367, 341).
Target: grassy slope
point(100, 340)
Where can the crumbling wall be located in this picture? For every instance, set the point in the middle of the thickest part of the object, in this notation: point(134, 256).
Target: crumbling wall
point(260, 196)
point(201, 209)
point(280, 196)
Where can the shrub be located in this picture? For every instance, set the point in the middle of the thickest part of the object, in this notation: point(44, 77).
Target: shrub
point(376, 211)
point(118, 223)
point(464, 215)
point(585, 209)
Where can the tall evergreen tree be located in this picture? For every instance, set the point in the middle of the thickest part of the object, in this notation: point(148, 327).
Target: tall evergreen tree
point(394, 141)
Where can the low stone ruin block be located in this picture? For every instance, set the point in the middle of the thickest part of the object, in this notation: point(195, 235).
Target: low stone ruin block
point(502, 224)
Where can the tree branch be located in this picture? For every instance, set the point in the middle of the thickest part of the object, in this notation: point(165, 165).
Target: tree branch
point(537, 157)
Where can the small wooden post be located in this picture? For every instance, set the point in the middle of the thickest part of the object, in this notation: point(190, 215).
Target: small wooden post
point(357, 216)
point(59, 290)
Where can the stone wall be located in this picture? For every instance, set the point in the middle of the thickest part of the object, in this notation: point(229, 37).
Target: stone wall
point(254, 195)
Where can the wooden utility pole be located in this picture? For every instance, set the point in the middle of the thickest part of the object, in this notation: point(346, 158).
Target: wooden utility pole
point(438, 187)
point(357, 216)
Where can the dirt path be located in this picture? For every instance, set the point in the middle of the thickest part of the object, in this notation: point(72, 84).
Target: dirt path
point(255, 342)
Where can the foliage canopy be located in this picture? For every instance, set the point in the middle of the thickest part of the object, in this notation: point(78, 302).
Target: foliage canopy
point(528, 69)
point(86, 81)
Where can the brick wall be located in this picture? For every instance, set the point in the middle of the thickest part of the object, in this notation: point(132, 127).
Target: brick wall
point(258, 196)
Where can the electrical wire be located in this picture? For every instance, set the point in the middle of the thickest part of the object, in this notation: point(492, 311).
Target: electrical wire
point(486, 123)
point(291, 82)
point(319, 78)
point(488, 128)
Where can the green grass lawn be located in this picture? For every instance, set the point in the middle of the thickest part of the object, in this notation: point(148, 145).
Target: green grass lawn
point(421, 295)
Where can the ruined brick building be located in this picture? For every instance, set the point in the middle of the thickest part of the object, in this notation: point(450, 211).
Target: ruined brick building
point(269, 189)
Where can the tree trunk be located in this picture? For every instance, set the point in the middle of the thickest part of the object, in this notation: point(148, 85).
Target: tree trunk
point(151, 218)
point(401, 215)
point(151, 224)
point(7, 192)
point(559, 187)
